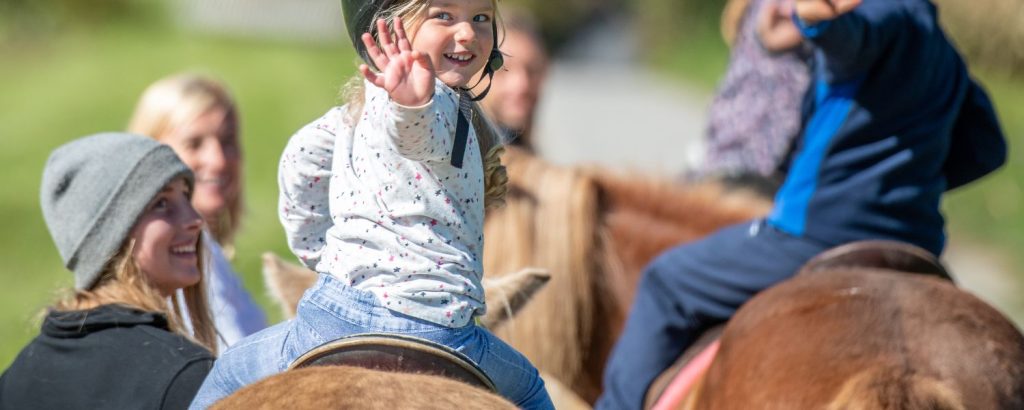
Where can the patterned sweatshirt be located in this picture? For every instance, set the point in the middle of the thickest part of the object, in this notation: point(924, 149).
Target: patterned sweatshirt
point(378, 204)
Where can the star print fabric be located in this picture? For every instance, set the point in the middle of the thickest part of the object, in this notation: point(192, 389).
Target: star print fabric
point(378, 205)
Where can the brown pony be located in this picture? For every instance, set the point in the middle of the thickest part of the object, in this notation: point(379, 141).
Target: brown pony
point(595, 231)
point(345, 387)
point(864, 338)
point(867, 325)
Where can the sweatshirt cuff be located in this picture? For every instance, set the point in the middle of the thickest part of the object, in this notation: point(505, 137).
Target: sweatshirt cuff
point(404, 113)
point(810, 31)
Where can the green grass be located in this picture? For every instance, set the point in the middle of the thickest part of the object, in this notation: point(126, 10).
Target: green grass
point(87, 80)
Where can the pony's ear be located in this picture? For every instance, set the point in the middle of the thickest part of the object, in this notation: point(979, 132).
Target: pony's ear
point(286, 282)
point(508, 293)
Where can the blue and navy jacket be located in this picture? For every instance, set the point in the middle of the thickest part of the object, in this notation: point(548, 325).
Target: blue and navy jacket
point(892, 121)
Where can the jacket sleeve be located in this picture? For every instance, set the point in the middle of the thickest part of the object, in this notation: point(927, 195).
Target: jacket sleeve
point(978, 146)
point(850, 45)
point(424, 133)
point(303, 178)
point(184, 386)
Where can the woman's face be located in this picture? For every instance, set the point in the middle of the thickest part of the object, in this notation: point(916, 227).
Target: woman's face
point(458, 36)
point(209, 145)
point(515, 89)
point(166, 239)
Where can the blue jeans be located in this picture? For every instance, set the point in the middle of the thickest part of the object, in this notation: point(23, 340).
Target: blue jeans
point(331, 310)
point(690, 288)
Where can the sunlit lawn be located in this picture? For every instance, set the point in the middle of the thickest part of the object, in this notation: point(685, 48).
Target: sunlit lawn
point(87, 81)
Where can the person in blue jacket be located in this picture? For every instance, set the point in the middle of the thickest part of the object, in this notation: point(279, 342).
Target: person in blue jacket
point(892, 120)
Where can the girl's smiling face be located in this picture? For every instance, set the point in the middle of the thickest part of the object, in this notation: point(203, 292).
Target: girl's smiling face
point(166, 237)
point(458, 35)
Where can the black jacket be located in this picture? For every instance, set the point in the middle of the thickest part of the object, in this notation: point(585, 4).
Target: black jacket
point(110, 357)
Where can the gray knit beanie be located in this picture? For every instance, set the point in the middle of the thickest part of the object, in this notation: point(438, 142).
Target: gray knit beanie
point(94, 189)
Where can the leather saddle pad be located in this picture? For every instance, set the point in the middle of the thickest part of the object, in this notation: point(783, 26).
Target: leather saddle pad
point(396, 353)
point(878, 254)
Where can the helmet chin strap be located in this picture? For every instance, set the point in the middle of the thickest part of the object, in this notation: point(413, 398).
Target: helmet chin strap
point(465, 113)
point(494, 62)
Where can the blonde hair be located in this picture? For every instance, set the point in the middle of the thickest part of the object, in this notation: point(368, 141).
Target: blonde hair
point(413, 12)
point(732, 16)
point(123, 283)
point(175, 101)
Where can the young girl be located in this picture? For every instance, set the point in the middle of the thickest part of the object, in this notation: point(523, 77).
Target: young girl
point(117, 206)
point(196, 117)
point(385, 198)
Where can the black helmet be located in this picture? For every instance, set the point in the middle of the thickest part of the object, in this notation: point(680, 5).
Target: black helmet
point(359, 18)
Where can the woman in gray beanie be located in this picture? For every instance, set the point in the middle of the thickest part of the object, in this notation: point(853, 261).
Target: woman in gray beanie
point(196, 116)
point(118, 209)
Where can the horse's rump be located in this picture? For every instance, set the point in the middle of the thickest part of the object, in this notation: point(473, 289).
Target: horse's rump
point(866, 338)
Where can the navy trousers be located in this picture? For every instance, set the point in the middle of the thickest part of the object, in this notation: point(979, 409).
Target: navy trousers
point(692, 287)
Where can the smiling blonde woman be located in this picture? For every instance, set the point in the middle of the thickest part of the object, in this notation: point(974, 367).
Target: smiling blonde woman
point(196, 116)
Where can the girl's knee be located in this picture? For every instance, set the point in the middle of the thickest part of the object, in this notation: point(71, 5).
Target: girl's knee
point(513, 374)
point(537, 396)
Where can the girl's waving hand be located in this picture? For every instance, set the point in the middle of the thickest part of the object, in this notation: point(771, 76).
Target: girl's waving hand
point(407, 75)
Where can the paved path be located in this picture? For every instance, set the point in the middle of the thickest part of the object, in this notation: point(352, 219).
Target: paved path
point(600, 108)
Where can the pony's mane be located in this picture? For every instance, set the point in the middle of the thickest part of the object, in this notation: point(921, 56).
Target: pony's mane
point(548, 221)
point(593, 230)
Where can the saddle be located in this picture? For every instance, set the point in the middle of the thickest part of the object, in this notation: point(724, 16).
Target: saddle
point(878, 254)
point(396, 353)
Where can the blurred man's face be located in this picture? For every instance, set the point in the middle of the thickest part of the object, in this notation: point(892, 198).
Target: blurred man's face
point(516, 88)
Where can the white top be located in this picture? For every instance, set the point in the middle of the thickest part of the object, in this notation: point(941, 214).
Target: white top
point(235, 314)
point(394, 217)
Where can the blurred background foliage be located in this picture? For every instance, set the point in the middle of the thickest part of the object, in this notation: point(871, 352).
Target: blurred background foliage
point(73, 67)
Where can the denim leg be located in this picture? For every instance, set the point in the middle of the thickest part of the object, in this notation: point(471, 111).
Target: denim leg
point(512, 373)
point(251, 359)
point(331, 310)
point(688, 289)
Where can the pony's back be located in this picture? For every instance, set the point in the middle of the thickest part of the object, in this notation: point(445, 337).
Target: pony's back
point(867, 339)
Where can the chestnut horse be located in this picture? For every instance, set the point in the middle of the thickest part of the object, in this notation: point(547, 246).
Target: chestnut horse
point(345, 387)
point(873, 325)
point(595, 231)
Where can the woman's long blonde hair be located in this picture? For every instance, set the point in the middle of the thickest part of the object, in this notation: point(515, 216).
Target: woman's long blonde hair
point(492, 143)
point(177, 100)
point(123, 283)
point(732, 17)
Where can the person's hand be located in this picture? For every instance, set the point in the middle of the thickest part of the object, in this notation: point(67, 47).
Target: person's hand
point(775, 26)
point(816, 11)
point(407, 75)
